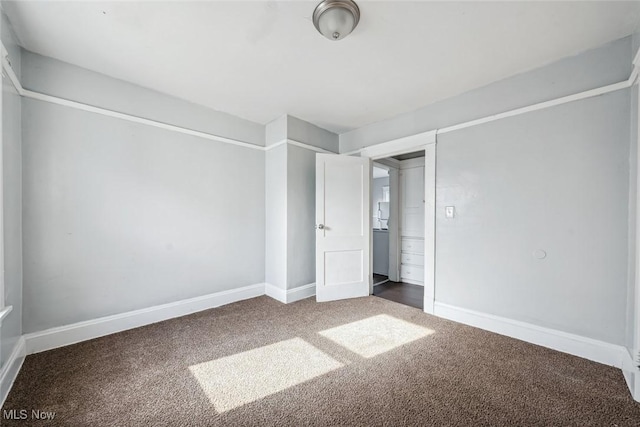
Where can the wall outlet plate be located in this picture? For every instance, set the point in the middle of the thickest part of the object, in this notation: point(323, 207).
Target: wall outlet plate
point(449, 211)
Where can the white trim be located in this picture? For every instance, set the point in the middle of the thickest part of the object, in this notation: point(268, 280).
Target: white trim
point(636, 59)
point(372, 149)
point(430, 227)
point(6, 66)
point(632, 378)
point(389, 162)
point(308, 147)
point(301, 292)
point(403, 145)
point(8, 69)
point(633, 77)
point(412, 163)
point(275, 292)
point(631, 363)
point(136, 119)
point(629, 378)
point(297, 144)
point(5, 311)
point(423, 141)
point(90, 329)
point(588, 348)
point(287, 296)
point(11, 368)
point(275, 144)
point(2, 249)
point(539, 106)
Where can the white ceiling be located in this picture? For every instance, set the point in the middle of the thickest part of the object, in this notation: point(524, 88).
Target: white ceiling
point(260, 60)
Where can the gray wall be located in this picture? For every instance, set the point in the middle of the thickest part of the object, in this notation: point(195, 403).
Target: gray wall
point(556, 180)
point(11, 327)
point(276, 216)
point(301, 216)
point(594, 68)
point(53, 77)
point(120, 216)
point(301, 131)
point(291, 200)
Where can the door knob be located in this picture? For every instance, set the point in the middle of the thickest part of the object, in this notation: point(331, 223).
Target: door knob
point(320, 227)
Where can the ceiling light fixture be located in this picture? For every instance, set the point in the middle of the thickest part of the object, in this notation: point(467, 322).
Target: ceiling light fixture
point(336, 19)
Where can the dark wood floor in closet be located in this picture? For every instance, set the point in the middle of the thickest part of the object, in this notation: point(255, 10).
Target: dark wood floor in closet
point(404, 293)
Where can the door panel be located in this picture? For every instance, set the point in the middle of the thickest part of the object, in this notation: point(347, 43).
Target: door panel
point(343, 234)
point(343, 212)
point(343, 267)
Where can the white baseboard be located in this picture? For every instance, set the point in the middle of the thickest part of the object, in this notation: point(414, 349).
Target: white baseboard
point(301, 292)
point(275, 292)
point(10, 369)
point(412, 282)
point(82, 331)
point(630, 378)
point(631, 373)
point(287, 296)
point(588, 348)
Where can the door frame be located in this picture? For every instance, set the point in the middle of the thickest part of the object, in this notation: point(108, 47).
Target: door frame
point(394, 212)
point(423, 141)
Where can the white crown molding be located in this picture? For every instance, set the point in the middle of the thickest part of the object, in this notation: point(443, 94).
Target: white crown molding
point(397, 146)
point(539, 106)
point(308, 147)
point(8, 69)
point(372, 150)
point(90, 329)
point(297, 144)
point(135, 119)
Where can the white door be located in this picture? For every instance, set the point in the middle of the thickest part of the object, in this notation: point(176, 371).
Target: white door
point(343, 229)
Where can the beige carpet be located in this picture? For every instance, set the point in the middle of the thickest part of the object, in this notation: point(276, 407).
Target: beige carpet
point(364, 362)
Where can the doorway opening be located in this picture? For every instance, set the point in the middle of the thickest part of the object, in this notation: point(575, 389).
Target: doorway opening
point(398, 212)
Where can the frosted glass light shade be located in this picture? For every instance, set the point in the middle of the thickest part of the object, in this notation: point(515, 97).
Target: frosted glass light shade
point(336, 19)
point(336, 24)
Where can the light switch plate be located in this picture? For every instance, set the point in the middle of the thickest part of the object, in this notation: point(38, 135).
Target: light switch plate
point(450, 211)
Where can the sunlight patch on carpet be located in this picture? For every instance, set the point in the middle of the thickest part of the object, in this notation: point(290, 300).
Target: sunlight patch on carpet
point(375, 335)
point(242, 378)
